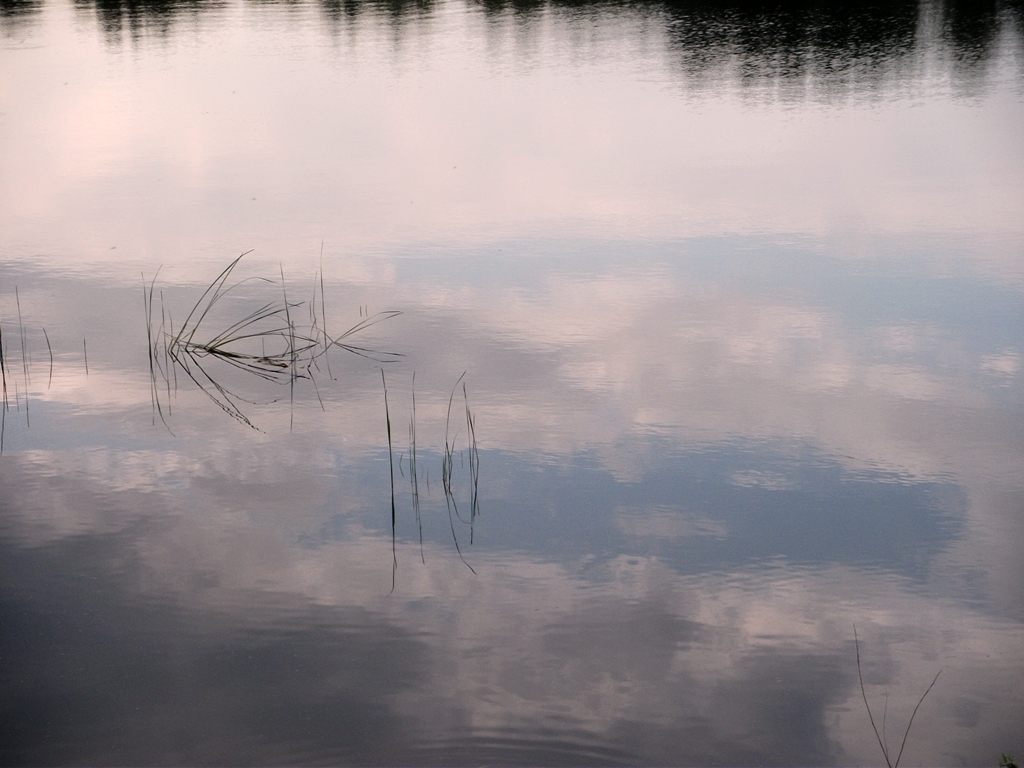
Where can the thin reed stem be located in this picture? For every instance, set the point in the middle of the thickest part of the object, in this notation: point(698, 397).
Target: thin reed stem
point(882, 742)
point(391, 466)
point(50, 350)
point(24, 353)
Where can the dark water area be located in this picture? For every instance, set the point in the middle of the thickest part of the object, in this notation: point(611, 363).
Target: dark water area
point(842, 45)
point(593, 372)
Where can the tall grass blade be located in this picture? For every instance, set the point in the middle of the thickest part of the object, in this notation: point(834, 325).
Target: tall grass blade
point(912, 716)
point(447, 465)
point(882, 741)
point(24, 353)
point(323, 313)
point(50, 350)
point(474, 465)
point(291, 351)
point(3, 364)
point(413, 471)
point(153, 352)
point(3, 375)
point(391, 466)
point(860, 676)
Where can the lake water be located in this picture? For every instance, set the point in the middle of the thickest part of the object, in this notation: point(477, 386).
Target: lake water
point(710, 350)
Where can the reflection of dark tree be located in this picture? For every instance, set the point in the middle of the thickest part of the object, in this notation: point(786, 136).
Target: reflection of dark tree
point(142, 17)
point(14, 14)
point(833, 42)
point(398, 10)
point(836, 43)
point(972, 27)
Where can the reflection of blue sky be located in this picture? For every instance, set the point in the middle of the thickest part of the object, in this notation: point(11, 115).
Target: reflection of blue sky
point(731, 507)
point(893, 281)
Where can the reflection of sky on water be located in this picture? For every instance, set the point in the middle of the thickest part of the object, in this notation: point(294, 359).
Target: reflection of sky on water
point(200, 633)
point(701, 466)
point(738, 292)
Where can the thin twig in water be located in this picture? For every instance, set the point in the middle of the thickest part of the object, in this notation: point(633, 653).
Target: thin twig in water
point(413, 479)
point(291, 350)
point(447, 465)
point(3, 364)
point(474, 465)
point(85, 356)
point(3, 375)
point(154, 360)
point(881, 741)
point(24, 352)
point(50, 350)
point(391, 465)
point(323, 312)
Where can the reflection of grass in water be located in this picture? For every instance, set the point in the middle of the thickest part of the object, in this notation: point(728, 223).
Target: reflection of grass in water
point(413, 471)
point(3, 375)
point(270, 344)
point(474, 465)
point(26, 367)
point(391, 467)
point(448, 465)
point(49, 349)
point(24, 353)
point(882, 739)
point(266, 343)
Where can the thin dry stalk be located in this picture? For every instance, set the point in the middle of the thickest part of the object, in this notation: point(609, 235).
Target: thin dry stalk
point(3, 375)
point(391, 466)
point(474, 465)
point(24, 353)
point(50, 350)
point(882, 741)
point(413, 471)
point(447, 465)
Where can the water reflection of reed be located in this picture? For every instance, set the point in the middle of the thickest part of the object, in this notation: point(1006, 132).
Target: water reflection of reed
point(22, 392)
point(267, 343)
point(448, 468)
point(883, 741)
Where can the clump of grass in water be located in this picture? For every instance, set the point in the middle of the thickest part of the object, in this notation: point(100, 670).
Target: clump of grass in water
point(26, 365)
point(882, 740)
point(448, 465)
point(294, 350)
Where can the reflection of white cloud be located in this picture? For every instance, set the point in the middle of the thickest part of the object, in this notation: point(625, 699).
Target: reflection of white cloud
point(594, 645)
point(666, 524)
point(771, 481)
point(1006, 363)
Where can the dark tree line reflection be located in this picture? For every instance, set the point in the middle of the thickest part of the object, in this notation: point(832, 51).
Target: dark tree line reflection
point(760, 40)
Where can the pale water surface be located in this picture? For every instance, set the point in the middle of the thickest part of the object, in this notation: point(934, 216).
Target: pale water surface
point(736, 294)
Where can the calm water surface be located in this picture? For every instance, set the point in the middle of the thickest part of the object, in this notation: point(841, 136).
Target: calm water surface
point(711, 348)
